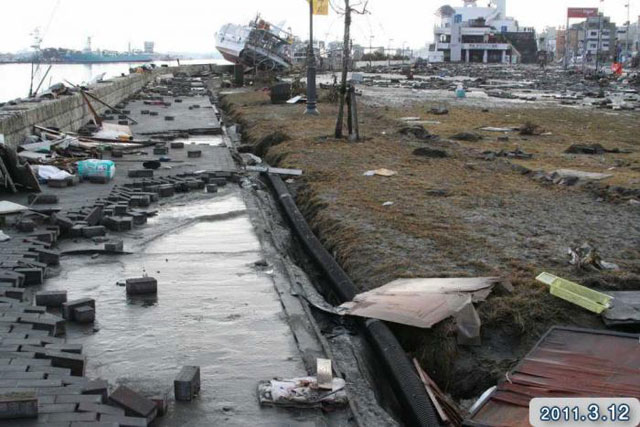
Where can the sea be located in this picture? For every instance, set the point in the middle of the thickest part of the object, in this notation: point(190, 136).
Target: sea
point(15, 79)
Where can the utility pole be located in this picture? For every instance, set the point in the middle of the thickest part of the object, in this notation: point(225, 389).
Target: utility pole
point(389, 52)
point(626, 46)
point(599, 42)
point(311, 69)
point(371, 51)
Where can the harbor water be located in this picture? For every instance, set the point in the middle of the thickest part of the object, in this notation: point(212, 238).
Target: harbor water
point(15, 79)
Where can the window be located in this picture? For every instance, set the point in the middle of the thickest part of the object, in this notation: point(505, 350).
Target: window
point(593, 34)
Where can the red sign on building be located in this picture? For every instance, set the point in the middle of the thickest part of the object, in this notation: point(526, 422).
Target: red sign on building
point(582, 12)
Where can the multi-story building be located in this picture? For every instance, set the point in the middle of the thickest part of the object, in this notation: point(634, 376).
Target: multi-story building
point(483, 34)
point(594, 36)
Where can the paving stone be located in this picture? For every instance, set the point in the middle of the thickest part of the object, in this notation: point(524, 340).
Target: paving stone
point(21, 375)
point(56, 408)
point(118, 223)
point(71, 416)
point(162, 403)
point(47, 256)
point(212, 188)
point(14, 293)
point(49, 370)
point(100, 409)
point(133, 403)
point(187, 383)
point(125, 421)
point(94, 424)
point(51, 298)
point(94, 216)
point(30, 362)
point(142, 286)
point(177, 145)
point(32, 276)
point(69, 306)
point(166, 190)
point(60, 391)
point(140, 173)
point(18, 404)
point(95, 231)
point(67, 347)
point(60, 359)
point(97, 387)
point(78, 398)
point(84, 314)
point(43, 199)
point(115, 246)
point(192, 154)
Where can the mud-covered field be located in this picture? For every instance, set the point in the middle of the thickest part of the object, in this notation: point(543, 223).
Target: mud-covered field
point(470, 213)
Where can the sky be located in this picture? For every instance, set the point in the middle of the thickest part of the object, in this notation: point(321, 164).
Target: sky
point(190, 25)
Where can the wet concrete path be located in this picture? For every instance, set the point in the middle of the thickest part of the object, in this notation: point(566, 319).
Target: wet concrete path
point(214, 309)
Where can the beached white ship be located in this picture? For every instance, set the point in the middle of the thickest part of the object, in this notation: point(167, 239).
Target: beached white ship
point(260, 44)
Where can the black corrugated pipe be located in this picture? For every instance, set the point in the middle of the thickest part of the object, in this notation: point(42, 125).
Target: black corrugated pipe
point(417, 407)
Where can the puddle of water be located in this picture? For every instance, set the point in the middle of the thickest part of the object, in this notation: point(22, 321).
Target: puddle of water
point(213, 309)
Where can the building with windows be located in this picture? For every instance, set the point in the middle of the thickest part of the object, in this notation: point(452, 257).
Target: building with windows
point(593, 36)
point(483, 34)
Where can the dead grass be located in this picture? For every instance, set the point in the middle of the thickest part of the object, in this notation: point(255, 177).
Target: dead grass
point(432, 234)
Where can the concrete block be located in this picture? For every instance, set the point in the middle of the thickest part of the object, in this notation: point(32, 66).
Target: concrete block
point(211, 188)
point(142, 286)
point(193, 154)
point(177, 145)
point(32, 276)
point(66, 347)
point(84, 314)
point(69, 306)
point(16, 279)
point(160, 151)
point(116, 154)
point(125, 421)
point(26, 226)
point(187, 383)
point(133, 403)
point(70, 417)
point(118, 223)
point(18, 404)
point(47, 256)
point(140, 200)
point(14, 293)
point(140, 173)
point(138, 218)
point(100, 409)
point(56, 408)
point(76, 397)
point(43, 199)
point(162, 403)
point(60, 359)
point(166, 190)
point(51, 298)
point(115, 246)
point(97, 387)
point(95, 231)
point(94, 216)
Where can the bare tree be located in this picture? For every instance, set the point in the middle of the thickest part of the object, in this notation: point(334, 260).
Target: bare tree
point(346, 53)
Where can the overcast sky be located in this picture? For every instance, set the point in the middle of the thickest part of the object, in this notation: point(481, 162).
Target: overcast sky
point(190, 25)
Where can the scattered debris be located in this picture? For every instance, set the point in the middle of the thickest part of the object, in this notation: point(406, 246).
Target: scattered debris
point(589, 149)
point(574, 293)
point(419, 302)
point(586, 257)
point(530, 129)
point(515, 154)
point(418, 131)
point(324, 374)
point(430, 152)
point(496, 129)
point(624, 310)
point(467, 136)
point(439, 111)
point(302, 393)
point(565, 362)
point(448, 411)
point(380, 172)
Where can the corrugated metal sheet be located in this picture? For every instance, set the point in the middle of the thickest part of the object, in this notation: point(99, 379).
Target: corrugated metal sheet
point(566, 362)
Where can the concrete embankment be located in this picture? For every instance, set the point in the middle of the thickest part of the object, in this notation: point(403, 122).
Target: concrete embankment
point(70, 112)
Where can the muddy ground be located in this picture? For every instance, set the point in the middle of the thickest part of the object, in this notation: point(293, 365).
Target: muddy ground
point(467, 214)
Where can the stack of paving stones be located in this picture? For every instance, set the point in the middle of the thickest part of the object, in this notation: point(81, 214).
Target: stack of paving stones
point(42, 380)
point(124, 208)
point(24, 260)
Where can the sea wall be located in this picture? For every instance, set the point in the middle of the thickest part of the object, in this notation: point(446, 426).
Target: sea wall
point(70, 112)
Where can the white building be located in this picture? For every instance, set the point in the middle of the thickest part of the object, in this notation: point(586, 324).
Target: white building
point(482, 34)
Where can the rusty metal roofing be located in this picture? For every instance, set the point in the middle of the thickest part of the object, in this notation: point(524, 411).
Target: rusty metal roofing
point(566, 362)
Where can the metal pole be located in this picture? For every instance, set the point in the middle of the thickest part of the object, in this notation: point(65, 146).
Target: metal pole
point(626, 46)
point(599, 41)
point(311, 69)
point(370, 51)
point(566, 43)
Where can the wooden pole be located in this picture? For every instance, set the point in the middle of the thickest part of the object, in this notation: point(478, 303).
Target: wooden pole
point(345, 65)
